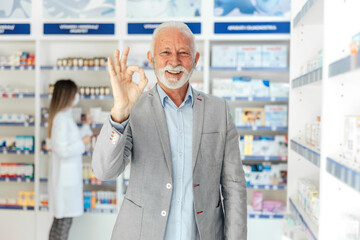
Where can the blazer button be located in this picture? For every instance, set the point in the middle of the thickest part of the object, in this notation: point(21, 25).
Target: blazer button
point(163, 213)
point(168, 186)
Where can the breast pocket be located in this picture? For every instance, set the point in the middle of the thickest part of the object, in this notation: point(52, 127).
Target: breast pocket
point(212, 148)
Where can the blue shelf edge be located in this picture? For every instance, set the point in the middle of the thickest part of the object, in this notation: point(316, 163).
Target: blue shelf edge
point(17, 179)
point(303, 12)
point(264, 158)
point(16, 151)
point(265, 216)
point(87, 182)
point(15, 207)
point(344, 65)
point(263, 99)
point(344, 173)
point(308, 78)
point(267, 186)
point(265, 69)
point(16, 124)
point(302, 219)
point(7, 67)
point(45, 95)
point(17, 95)
point(262, 128)
point(314, 156)
point(67, 68)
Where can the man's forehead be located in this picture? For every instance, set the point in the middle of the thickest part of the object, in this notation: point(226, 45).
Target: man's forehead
point(167, 35)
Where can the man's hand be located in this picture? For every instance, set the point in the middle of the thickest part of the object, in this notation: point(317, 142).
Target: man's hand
point(126, 92)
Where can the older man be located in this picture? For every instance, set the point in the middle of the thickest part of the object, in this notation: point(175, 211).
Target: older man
point(187, 180)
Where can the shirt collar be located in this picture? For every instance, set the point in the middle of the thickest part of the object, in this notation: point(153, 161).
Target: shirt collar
point(164, 96)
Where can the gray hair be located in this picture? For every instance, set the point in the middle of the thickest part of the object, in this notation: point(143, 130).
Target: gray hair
point(173, 24)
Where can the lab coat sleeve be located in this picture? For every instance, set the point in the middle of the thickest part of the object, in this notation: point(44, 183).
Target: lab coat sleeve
point(233, 186)
point(112, 151)
point(61, 144)
point(85, 130)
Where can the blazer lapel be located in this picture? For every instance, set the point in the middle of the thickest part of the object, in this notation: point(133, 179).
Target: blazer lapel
point(161, 125)
point(198, 120)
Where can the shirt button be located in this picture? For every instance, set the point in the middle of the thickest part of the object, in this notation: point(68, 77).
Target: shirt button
point(163, 213)
point(168, 186)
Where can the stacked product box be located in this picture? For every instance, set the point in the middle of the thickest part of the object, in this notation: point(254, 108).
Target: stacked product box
point(244, 86)
point(16, 118)
point(249, 56)
point(88, 175)
point(18, 59)
point(351, 150)
point(99, 200)
point(270, 116)
point(264, 146)
point(308, 198)
point(265, 174)
point(266, 206)
point(25, 143)
point(349, 227)
point(25, 199)
point(17, 170)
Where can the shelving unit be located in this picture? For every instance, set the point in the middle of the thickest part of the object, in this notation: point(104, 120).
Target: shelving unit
point(327, 91)
point(48, 48)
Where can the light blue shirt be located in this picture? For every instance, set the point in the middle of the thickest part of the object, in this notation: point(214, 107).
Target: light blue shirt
point(181, 223)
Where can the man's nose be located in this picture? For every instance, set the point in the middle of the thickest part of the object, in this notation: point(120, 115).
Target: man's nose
point(174, 60)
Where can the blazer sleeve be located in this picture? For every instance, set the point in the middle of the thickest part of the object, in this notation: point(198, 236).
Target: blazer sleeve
point(233, 186)
point(112, 152)
point(61, 144)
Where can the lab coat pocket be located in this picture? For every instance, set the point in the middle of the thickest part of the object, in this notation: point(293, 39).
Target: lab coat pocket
point(70, 175)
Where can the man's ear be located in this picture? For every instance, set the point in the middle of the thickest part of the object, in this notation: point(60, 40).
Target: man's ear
point(196, 58)
point(150, 59)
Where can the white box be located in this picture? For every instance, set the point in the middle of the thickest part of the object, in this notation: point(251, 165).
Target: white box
point(249, 56)
point(276, 115)
point(352, 140)
point(96, 114)
point(241, 86)
point(222, 87)
point(260, 88)
point(223, 56)
point(274, 56)
point(279, 90)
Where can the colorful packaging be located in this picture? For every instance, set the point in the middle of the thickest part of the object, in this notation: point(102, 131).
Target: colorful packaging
point(276, 115)
point(257, 201)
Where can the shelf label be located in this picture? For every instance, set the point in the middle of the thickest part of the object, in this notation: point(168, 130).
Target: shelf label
point(10, 29)
point(79, 28)
point(252, 27)
point(148, 28)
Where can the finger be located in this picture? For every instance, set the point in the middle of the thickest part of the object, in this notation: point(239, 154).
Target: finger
point(116, 62)
point(143, 80)
point(123, 59)
point(111, 70)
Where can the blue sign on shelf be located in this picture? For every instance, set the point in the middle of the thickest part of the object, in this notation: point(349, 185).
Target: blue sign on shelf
point(252, 27)
point(148, 28)
point(10, 28)
point(79, 28)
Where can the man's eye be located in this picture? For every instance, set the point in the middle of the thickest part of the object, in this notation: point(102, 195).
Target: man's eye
point(165, 52)
point(184, 53)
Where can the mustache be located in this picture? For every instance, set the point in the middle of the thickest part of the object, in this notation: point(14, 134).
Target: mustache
point(177, 68)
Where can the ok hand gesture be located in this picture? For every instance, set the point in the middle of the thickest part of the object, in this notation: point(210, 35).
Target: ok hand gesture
point(126, 92)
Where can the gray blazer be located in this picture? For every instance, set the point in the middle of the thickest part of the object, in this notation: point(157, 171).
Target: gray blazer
point(145, 143)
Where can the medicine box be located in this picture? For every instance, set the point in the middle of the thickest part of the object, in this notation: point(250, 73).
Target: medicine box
point(276, 115)
point(260, 88)
point(249, 56)
point(223, 56)
point(222, 87)
point(274, 56)
point(241, 87)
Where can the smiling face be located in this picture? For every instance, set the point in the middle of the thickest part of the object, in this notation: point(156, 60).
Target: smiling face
point(174, 57)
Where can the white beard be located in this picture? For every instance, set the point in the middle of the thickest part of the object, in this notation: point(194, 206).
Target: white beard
point(173, 83)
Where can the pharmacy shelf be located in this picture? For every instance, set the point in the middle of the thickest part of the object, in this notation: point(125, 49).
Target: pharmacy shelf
point(111, 211)
point(18, 68)
point(308, 152)
point(44, 152)
point(308, 78)
point(68, 68)
point(262, 128)
point(258, 99)
point(9, 207)
point(264, 158)
point(17, 179)
point(344, 65)
point(88, 182)
point(18, 152)
point(309, 225)
point(48, 96)
point(17, 95)
point(344, 173)
point(93, 125)
point(17, 124)
point(266, 186)
point(265, 216)
point(241, 69)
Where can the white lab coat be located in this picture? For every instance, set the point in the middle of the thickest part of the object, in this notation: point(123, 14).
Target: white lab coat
point(65, 185)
